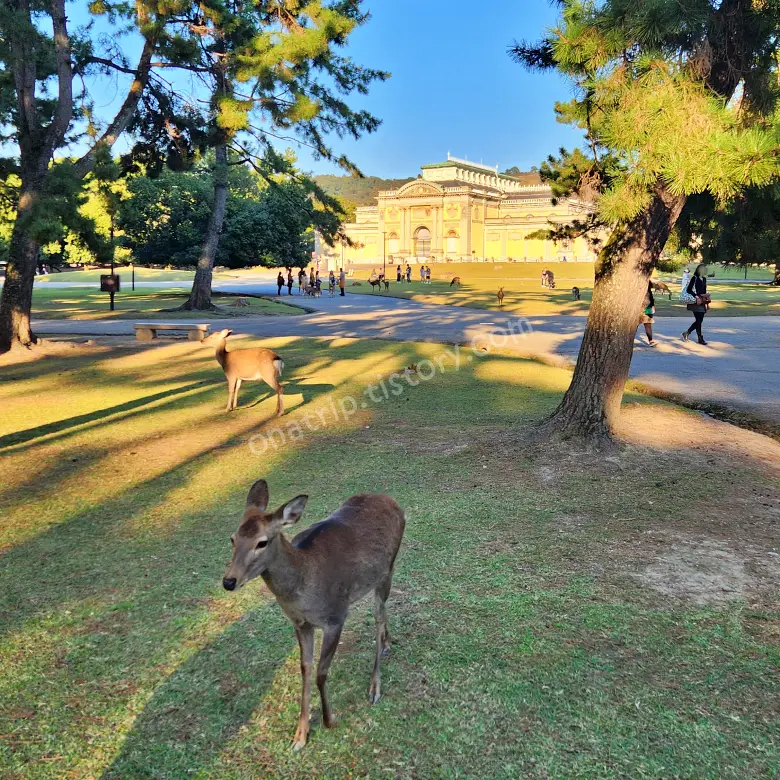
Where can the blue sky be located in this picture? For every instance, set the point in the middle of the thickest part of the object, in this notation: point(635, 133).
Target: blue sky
point(453, 87)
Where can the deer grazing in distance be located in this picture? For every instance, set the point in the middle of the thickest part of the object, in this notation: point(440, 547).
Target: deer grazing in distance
point(455, 281)
point(500, 296)
point(318, 574)
point(244, 365)
point(662, 288)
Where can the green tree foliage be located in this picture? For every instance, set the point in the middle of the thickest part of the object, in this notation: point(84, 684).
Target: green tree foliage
point(271, 68)
point(267, 222)
point(744, 231)
point(675, 100)
point(50, 73)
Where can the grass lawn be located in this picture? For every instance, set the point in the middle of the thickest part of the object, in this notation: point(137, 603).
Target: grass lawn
point(149, 275)
point(555, 614)
point(527, 297)
point(91, 304)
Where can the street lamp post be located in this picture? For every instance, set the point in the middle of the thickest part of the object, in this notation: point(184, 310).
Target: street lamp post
point(384, 269)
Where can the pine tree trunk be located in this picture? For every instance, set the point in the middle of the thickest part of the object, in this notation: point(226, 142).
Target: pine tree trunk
point(591, 406)
point(16, 300)
point(200, 295)
point(776, 280)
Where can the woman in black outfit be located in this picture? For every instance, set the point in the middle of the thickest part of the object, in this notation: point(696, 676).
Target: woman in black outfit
point(697, 287)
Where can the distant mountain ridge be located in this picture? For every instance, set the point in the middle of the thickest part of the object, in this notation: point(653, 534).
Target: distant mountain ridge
point(362, 192)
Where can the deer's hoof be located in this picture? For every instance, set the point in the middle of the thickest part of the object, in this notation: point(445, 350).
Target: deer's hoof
point(300, 739)
point(374, 694)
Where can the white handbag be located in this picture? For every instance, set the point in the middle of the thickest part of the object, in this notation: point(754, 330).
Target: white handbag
point(686, 297)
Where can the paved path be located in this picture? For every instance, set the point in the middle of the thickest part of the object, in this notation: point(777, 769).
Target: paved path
point(740, 367)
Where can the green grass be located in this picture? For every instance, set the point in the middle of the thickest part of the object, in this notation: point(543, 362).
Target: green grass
point(527, 297)
point(524, 646)
point(141, 275)
point(82, 303)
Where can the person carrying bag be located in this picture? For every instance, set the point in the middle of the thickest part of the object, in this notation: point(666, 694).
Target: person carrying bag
point(697, 300)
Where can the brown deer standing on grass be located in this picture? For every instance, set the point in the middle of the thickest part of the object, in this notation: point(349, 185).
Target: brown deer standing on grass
point(318, 574)
point(455, 281)
point(245, 365)
point(500, 296)
point(662, 288)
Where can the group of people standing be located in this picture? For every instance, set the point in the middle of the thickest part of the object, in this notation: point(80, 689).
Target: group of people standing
point(402, 273)
point(311, 282)
point(694, 292)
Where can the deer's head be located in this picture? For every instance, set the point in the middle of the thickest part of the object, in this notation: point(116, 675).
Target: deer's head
point(255, 541)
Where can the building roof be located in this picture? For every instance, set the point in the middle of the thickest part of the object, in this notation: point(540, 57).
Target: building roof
point(528, 178)
point(462, 164)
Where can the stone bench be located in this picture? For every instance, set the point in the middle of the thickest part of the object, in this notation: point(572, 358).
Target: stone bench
point(146, 331)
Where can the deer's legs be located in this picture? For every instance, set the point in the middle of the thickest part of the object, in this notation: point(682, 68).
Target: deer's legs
point(382, 637)
point(235, 393)
point(306, 642)
point(231, 393)
point(279, 400)
point(330, 643)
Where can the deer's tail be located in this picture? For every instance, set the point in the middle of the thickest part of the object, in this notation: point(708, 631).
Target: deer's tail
point(279, 366)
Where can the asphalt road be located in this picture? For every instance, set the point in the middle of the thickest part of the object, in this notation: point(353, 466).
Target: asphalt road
point(739, 368)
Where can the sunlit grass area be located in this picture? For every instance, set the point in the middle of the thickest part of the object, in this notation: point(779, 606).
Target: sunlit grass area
point(526, 643)
point(527, 297)
point(91, 304)
point(142, 274)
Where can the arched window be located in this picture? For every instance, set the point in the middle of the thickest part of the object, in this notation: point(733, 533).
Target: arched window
point(452, 243)
point(422, 242)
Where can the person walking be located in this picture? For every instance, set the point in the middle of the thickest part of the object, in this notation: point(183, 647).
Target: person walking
point(311, 277)
point(342, 281)
point(289, 281)
point(422, 274)
point(698, 288)
point(398, 273)
point(279, 284)
point(301, 277)
point(427, 274)
point(686, 279)
point(331, 283)
point(648, 312)
point(408, 274)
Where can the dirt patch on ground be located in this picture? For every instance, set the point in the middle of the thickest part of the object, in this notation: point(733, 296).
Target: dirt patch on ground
point(703, 571)
point(688, 508)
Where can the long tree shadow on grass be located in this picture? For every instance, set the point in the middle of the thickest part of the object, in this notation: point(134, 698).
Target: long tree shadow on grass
point(202, 705)
point(21, 437)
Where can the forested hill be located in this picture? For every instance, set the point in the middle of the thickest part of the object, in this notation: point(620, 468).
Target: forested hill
point(362, 192)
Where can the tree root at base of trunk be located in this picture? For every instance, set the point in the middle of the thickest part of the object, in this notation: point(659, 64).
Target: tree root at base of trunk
point(187, 306)
point(559, 427)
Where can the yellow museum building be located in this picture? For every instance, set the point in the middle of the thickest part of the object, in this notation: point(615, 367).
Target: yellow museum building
point(460, 211)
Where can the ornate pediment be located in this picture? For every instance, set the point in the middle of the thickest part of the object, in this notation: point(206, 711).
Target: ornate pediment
point(419, 188)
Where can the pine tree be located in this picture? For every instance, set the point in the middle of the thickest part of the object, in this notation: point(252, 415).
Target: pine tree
point(272, 67)
point(39, 49)
point(675, 99)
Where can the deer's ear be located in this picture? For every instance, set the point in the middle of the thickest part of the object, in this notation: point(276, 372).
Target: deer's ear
point(291, 512)
point(258, 495)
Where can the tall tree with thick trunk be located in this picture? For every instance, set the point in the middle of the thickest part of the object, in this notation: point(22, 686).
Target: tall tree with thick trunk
point(200, 294)
point(274, 71)
point(655, 83)
point(39, 127)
